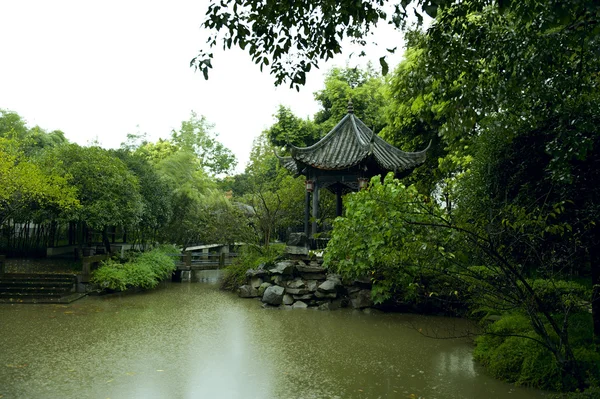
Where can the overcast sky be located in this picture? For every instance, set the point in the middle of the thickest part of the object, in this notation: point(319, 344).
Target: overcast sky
point(98, 70)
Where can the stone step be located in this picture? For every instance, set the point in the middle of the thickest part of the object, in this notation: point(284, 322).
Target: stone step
point(27, 283)
point(38, 288)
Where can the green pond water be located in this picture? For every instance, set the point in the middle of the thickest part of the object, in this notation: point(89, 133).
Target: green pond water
point(190, 340)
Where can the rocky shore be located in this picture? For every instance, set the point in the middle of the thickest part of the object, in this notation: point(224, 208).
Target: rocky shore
point(299, 284)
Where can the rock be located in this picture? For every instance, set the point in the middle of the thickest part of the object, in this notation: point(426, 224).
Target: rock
point(285, 267)
point(314, 263)
point(362, 299)
point(294, 250)
point(352, 289)
point(322, 295)
point(297, 291)
point(363, 282)
point(304, 297)
point(287, 299)
point(273, 295)
point(329, 286)
point(256, 273)
point(300, 263)
point(310, 269)
point(313, 276)
point(296, 283)
point(255, 282)
point(247, 291)
point(299, 305)
point(334, 276)
point(297, 240)
point(262, 288)
point(312, 285)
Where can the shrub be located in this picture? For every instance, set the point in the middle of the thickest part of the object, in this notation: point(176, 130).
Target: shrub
point(251, 256)
point(143, 270)
point(510, 352)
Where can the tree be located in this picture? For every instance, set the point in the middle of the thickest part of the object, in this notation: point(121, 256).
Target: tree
point(276, 198)
point(107, 190)
point(195, 135)
point(365, 88)
point(289, 129)
point(293, 38)
point(26, 185)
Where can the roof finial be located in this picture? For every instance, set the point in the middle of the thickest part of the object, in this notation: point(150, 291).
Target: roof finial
point(350, 107)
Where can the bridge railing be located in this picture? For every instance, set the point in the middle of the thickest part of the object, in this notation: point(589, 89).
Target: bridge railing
point(204, 260)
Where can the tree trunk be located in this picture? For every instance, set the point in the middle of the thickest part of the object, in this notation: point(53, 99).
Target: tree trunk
point(105, 239)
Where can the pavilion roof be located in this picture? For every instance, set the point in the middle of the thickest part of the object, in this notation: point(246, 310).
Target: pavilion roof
point(348, 144)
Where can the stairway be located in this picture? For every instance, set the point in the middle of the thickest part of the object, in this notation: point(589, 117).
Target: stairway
point(38, 288)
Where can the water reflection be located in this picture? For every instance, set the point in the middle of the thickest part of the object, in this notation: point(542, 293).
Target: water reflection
point(194, 341)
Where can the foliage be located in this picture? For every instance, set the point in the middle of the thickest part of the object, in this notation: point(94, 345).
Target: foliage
point(510, 351)
point(195, 135)
point(251, 257)
point(393, 235)
point(374, 239)
point(289, 129)
point(366, 90)
point(143, 271)
point(25, 184)
point(275, 197)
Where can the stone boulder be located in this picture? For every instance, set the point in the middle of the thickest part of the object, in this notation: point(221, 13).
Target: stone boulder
point(323, 295)
point(330, 286)
point(312, 285)
point(256, 273)
point(313, 276)
point(297, 240)
point(273, 295)
point(296, 283)
point(247, 291)
point(299, 305)
point(361, 299)
point(283, 268)
point(262, 288)
point(302, 268)
point(305, 297)
point(297, 291)
point(255, 282)
point(288, 299)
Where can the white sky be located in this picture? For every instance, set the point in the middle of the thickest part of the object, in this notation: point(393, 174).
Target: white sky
point(97, 70)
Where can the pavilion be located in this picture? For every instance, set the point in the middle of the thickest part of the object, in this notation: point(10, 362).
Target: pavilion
point(345, 160)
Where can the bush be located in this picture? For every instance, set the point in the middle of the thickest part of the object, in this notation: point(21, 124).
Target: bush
point(143, 270)
point(510, 353)
point(251, 256)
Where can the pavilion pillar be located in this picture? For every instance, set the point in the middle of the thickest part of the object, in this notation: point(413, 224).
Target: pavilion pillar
point(307, 214)
point(315, 212)
point(338, 205)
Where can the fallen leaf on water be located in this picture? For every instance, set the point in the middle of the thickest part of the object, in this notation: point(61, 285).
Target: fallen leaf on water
point(130, 373)
point(160, 370)
point(109, 381)
point(69, 312)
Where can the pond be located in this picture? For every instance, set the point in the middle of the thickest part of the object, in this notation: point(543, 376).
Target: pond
point(190, 340)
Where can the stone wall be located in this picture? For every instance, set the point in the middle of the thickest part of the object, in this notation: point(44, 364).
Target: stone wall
point(300, 284)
